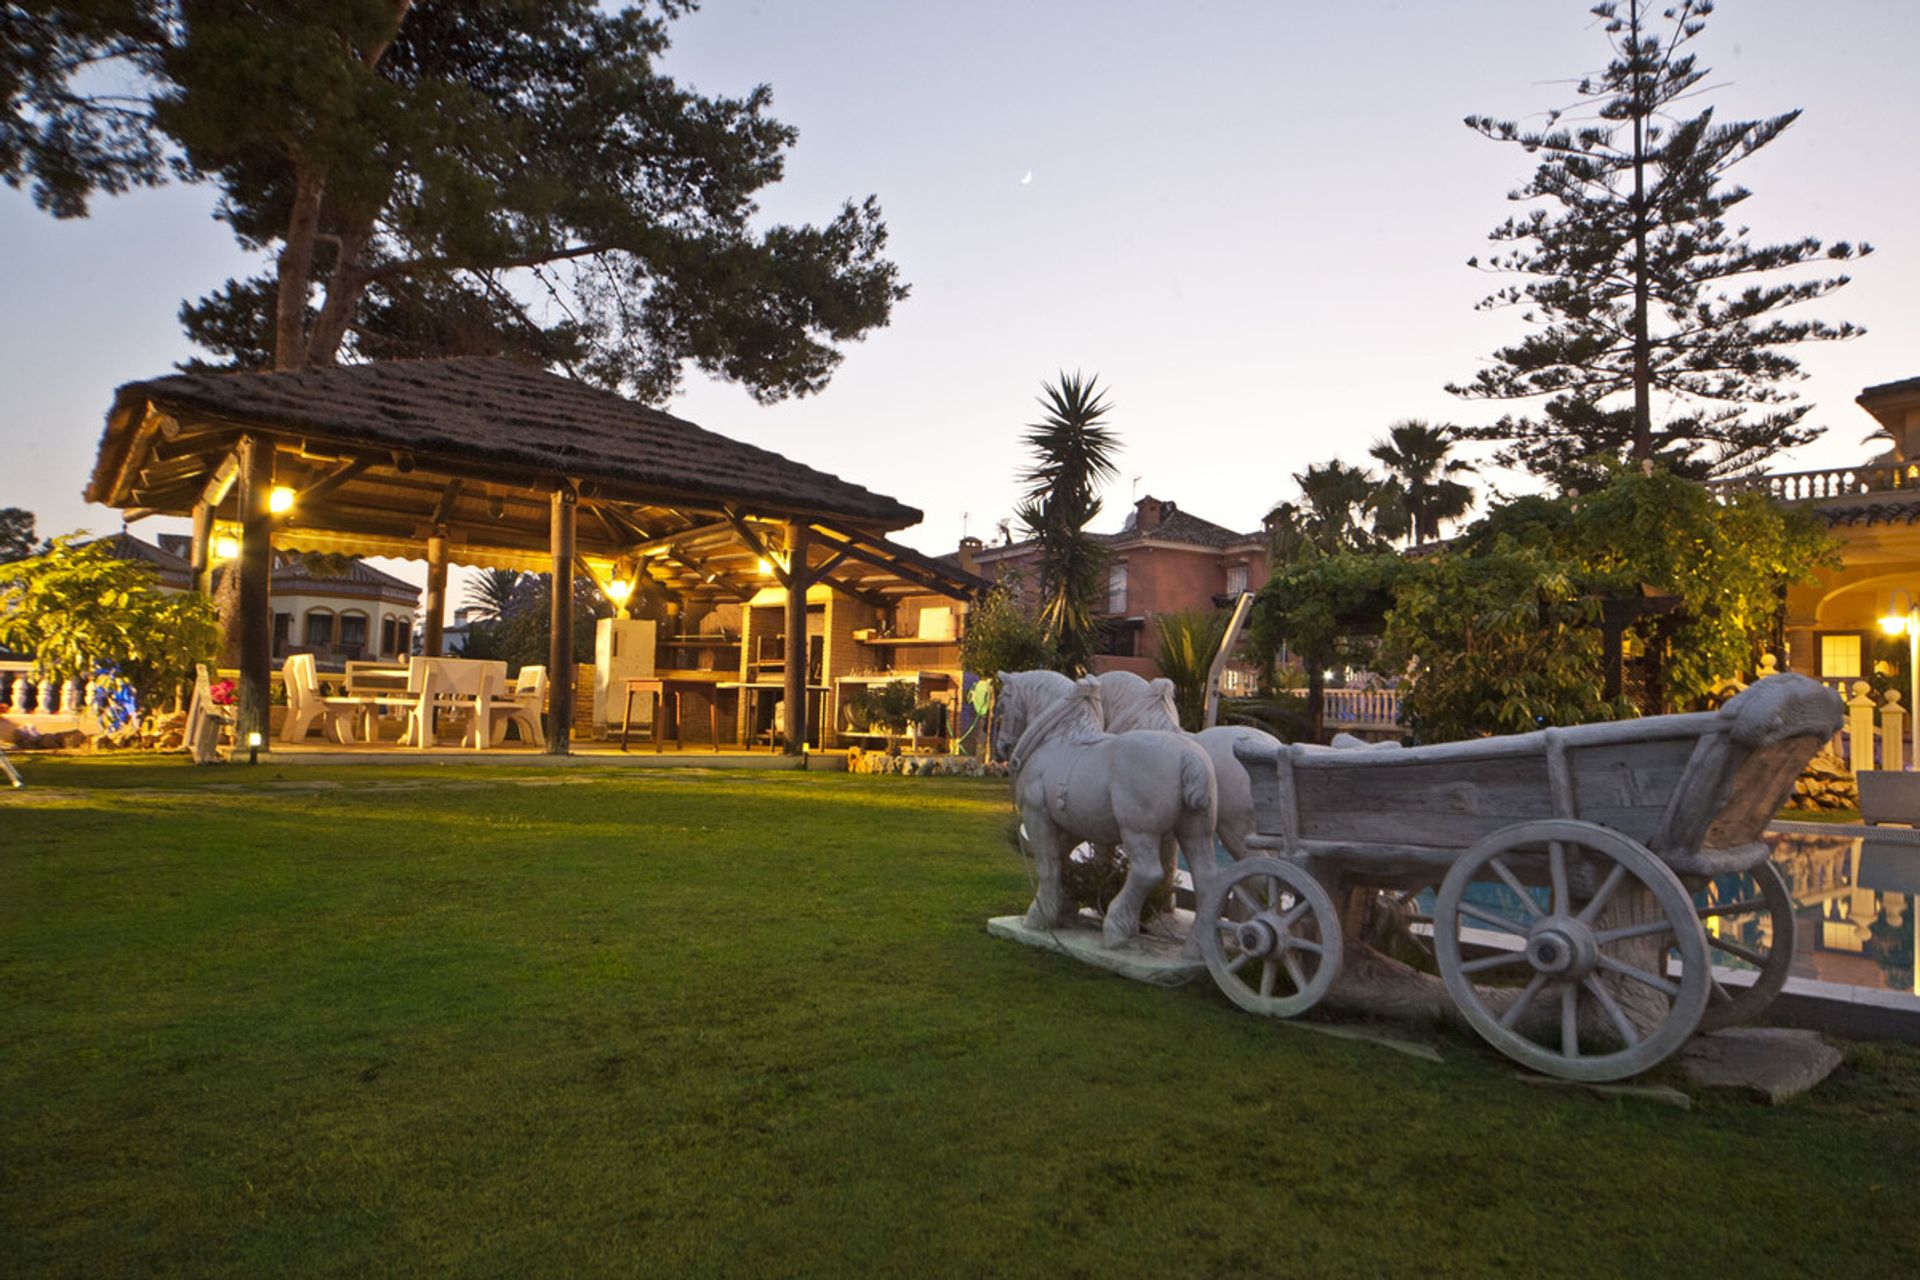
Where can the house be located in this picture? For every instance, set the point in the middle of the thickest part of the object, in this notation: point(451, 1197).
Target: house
point(1164, 560)
point(354, 614)
point(1832, 625)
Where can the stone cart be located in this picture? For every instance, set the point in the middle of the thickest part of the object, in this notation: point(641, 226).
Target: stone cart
point(1567, 862)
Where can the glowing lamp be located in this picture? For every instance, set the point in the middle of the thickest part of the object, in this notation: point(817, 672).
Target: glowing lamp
point(766, 566)
point(253, 739)
point(226, 547)
point(1894, 624)
point(280, 500)
point(619, 591)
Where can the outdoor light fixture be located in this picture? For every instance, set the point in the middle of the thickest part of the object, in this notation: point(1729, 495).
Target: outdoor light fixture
point(226, 547)
point(253, 747)
point(280, 500)
point(1908, 624)
point(766, 566)
point(618, 591)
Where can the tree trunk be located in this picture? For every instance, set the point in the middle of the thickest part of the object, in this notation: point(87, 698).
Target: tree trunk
point(1316, 703)
point(345, 286)
point(1642, 340)
point(296, 270)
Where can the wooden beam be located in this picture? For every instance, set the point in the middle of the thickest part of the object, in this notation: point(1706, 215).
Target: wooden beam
point(759, 548)
point(222, 480)
point(796, 695)
point(560, 630)
point(662, 541)
point(433, 640)
point(327, 483)
point(254, 466)
point(201, 556)
point(706, 572)
point(444, 507)
point(911, 572)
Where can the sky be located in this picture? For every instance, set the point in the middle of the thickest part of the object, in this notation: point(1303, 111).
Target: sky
point(1249, 220)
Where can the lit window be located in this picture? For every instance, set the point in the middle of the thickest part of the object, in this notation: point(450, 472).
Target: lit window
point(1117, 589)
point(1840, 656)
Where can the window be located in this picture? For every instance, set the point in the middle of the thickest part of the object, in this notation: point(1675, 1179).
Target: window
point(1841, 654)
point(319, 628)
point(353, 631)
point(1236, 579)
point(1117, 588)
point(282, 633)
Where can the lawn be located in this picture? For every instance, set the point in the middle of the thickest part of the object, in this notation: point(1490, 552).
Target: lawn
point(394, 1021)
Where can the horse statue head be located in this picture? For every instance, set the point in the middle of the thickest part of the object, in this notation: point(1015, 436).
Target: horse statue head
point(1136, 703)
point(1036, 715)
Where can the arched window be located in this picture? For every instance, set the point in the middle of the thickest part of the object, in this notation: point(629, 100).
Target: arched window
point(353, 631)
point(319, 628)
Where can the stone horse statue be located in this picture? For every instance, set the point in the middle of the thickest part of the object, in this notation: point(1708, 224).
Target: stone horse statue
point(1073, 781)
point(1130, 703)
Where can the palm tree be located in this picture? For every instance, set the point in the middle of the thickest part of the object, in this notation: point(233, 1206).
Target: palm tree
point(1337, 512)
point(1073, 455)
point(491, 594)
point(1421, 480)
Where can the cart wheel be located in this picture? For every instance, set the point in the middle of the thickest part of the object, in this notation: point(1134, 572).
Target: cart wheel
point(1731, 1005)
point(1562, 947)
point(1270, 936)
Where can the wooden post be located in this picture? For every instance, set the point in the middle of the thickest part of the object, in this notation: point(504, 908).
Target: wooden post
point(255, 619)
point(432, 641)
point(202, 552)
point(560, 640)
point(796, 695)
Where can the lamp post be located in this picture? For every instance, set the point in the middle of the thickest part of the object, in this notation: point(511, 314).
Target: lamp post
point(1908, 623)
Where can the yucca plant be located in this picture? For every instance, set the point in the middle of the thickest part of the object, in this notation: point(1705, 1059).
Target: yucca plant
point(1074, 452)
point(1189, 638)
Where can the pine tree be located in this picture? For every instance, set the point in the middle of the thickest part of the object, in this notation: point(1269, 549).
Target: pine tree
point(450, 177)
point(1658, 336)
point(1073, 455)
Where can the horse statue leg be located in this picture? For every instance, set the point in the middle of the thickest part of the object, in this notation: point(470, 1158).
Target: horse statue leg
point(1143, 877)
point(1047, 845)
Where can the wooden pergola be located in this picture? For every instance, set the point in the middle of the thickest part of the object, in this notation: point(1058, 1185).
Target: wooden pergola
point(489, 463)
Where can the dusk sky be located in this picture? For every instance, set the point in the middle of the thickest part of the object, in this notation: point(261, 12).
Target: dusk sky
point(1250, 220)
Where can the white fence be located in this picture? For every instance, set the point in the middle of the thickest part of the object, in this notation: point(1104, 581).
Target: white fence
point(1359, 708)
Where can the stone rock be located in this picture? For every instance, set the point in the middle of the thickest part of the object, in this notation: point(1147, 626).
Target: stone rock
point(1777, 1063)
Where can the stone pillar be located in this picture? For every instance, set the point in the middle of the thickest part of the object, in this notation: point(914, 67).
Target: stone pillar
point(560, 673)
point(255, 620)
point(432, 640)
point(1860, 733)
point(1893, 724)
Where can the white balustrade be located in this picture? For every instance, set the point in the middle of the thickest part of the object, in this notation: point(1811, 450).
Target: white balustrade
point(1893, 724)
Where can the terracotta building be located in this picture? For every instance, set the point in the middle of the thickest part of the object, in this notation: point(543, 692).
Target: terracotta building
point(1164, 560)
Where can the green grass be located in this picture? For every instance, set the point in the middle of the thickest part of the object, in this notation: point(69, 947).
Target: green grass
point(682, 1023)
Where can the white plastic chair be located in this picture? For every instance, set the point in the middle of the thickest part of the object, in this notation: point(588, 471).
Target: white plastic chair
point(522, 707)
point(205, 719)
point(306, 704)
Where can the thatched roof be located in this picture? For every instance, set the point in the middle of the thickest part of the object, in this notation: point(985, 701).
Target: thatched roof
point(505, 416)
point(380, 457)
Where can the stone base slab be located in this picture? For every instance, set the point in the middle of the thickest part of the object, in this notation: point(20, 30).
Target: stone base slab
point(1777, 1063)
point(1150, 960)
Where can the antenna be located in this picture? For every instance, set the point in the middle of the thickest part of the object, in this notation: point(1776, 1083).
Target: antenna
point(1136, 488)
point(964, 517)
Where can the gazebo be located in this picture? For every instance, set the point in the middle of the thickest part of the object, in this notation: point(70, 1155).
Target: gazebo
point(489, 463)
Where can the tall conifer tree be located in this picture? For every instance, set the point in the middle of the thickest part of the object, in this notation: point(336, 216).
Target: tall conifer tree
point(1658, 336)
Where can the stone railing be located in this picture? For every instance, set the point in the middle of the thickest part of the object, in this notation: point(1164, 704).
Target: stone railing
point(1834, 482)
point(30, 699)
point(1359, 708)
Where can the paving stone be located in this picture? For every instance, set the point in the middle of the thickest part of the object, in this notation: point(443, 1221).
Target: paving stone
point(1777, 1063)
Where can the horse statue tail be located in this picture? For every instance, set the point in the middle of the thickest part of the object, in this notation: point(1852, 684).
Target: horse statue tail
point(1197, 787)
